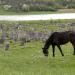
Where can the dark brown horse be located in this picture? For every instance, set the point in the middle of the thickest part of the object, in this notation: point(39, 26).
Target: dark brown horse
point(57, 39)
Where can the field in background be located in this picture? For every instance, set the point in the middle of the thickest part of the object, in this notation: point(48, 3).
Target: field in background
point(29, 59)
point(5, 12)
point(36, 5)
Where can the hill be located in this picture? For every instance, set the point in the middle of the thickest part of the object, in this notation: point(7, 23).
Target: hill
point(37, 5)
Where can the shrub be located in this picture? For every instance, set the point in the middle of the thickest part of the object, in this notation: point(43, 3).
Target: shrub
point(25, 7)
point(7, 7)
point(71, 5)
point(58, 6)
point(42, 8)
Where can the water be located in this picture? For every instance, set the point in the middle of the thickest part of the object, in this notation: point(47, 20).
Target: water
point(37, 17)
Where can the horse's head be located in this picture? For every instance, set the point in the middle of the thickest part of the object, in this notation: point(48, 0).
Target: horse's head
point(45, 51)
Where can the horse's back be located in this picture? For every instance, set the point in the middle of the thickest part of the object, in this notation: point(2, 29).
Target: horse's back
point(63, 37)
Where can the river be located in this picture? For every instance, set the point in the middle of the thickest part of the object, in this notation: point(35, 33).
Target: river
point(37, 17)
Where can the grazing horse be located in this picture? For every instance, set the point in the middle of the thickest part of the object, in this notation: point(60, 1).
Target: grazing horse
point(57, 39)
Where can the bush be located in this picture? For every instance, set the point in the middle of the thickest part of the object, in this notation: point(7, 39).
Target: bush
point(7, 7)
point(25, 7)
point(58, 6)
point(71, 5)
point(42, 8)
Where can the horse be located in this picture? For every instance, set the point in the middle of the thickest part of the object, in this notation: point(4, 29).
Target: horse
point(57, 39)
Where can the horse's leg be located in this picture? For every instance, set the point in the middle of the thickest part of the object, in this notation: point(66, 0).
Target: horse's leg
point(53, 47)
point(60, 50)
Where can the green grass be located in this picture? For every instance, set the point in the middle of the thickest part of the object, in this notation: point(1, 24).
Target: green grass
point(44, 26)
point(41, 26)
point(37, 23)
point(29, 60)
point(10, 12)
point(3, 12)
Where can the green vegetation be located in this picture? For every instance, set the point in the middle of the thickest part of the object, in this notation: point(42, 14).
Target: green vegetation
point(54, 25)
point(9, 11)
point(5, 12)
point(29, 60)
point(41, 22)
point(41, 26)
point(36, 6)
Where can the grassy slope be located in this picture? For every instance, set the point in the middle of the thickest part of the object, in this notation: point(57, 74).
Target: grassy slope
point(29, 60)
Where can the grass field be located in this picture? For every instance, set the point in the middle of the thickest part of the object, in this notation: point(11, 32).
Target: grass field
point(5, 12)
point(29, 60)
point(9, 12)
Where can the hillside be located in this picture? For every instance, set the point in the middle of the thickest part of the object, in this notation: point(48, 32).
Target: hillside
point(37, 5)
